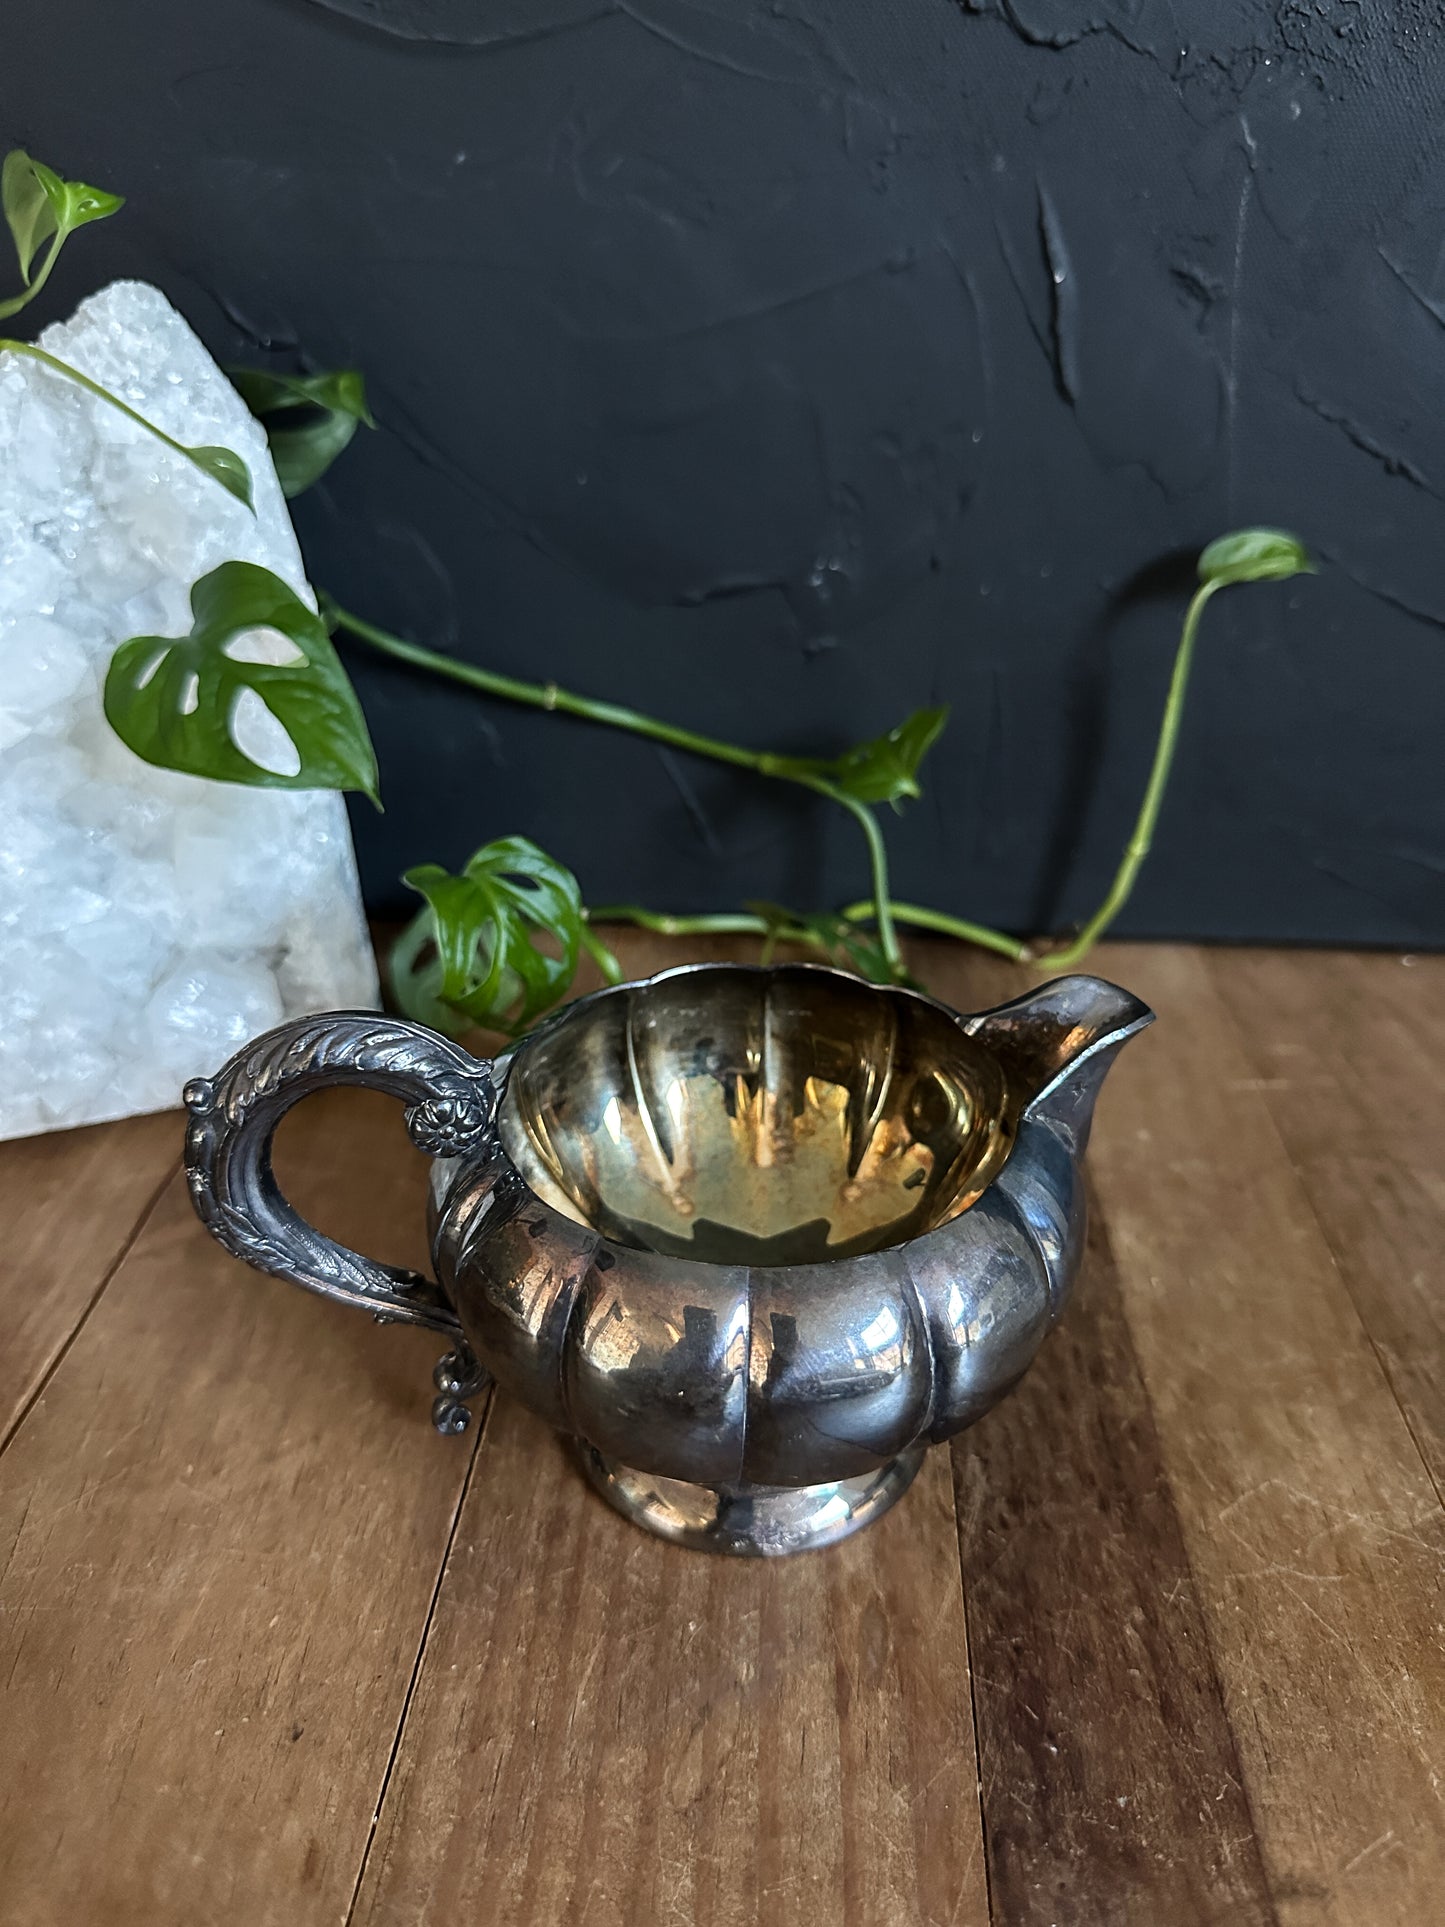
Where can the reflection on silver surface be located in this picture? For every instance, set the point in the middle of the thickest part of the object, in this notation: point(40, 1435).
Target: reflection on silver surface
point(760, 1117)
point(789, 1225)
point(760, 1522)
point(754, 1237)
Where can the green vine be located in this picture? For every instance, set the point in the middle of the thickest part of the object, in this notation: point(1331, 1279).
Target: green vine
point(883, 770)
point(1249, 555)
point(222, 465)
point(42, 210)
point(499, 943)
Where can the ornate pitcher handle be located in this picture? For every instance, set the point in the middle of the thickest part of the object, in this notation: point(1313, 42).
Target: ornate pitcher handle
point(451, 1108)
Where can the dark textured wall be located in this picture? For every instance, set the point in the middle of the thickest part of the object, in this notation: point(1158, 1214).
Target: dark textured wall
point(780, 367)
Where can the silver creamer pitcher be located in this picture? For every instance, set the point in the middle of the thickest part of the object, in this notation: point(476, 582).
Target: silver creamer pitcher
point(755, 1238)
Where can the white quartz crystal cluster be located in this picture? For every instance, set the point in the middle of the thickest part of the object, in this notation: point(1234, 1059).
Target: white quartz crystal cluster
point(149, 922)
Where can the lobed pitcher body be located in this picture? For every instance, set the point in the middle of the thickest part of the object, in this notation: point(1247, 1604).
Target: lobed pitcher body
point(753, 1237)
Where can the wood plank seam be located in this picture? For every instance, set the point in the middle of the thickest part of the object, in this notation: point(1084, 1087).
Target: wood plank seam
point(123, 1251)
point(1206, 1629)
point(478, 1436)
point(1290, 1464)
point(988, 1892)
point(1196, 1586)
point(652, 1706)
point(1241, 1778)
point(1345, 1266)
point(1342, 1267)
point(1256, 1563)
point(229, 1513)
point(1091, 1896)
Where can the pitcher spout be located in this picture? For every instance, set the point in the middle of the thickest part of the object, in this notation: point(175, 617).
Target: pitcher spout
point(1055, 1046)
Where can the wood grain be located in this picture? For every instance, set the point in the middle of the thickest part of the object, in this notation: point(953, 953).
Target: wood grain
point(220, 1530)
point(70, 1203)
point(249, 1603)
point(609, 1730)
point(1315, 1535)
point(1110, 1781)
point(1348, 1053)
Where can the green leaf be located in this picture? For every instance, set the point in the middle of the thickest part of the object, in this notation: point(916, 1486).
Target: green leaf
point(881, 771)
point(1254, 555)
point(84, 204)
point(472, 957)
point(173, 699)
point(886, 769)
point(221, 465)
point(225, 466)
point(40, 206)
point(30, 208)
point(843, 943)
point(309, 419)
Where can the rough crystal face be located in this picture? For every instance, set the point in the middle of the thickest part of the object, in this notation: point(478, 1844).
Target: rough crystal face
point(149, 922)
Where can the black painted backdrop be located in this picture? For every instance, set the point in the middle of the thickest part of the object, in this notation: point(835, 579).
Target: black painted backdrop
point(779, 367)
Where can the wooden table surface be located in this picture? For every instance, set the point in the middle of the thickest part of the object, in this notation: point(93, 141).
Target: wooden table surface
point(1159, 1642)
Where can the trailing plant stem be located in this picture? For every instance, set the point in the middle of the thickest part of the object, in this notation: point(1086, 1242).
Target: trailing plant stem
point(919, 917)
point(536, 695)
point(599, 953)
point(33, 287)
point(879, 908)
point(878, 863)
point(615, 716)
point(63, 368)
point(723, 924)
point(1142, 838)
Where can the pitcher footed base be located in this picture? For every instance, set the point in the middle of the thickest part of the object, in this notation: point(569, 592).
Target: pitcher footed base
point(753, 1521)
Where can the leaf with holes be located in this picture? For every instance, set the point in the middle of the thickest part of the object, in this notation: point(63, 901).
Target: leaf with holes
point(174, 700)
point(884, 770)
point(40, 206)
point(472, 956)
point(309, 419)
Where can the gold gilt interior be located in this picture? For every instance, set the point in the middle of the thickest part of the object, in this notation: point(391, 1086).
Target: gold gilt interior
point(766, 1118)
